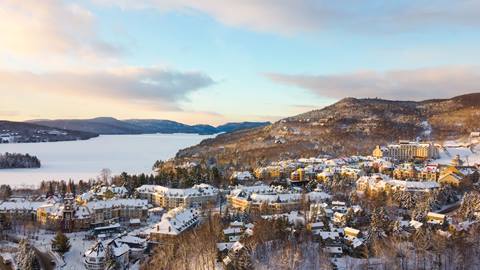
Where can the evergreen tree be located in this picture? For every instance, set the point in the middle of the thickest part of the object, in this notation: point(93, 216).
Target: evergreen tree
point(61, 243)
point(5, 192)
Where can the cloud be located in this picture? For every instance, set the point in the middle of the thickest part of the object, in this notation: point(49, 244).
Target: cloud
point(293, 16)
point(414, 84)
point(38, 30)
point(155, 87)
point(9, 113)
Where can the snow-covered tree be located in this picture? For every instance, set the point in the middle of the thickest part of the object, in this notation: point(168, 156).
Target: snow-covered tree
point(470, 205)
point(110, 261)
point(26, 259)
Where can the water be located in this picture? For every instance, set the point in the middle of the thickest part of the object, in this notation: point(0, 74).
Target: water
point(85, 159)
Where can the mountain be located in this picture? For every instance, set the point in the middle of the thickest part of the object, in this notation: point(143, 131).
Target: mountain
point(100, 125)
point(28, 132)
point(230, 127)
point(350, 126)
point(109, 125)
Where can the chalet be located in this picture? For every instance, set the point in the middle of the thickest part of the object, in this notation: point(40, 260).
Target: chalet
point(353, 237)
point(315, 226)
point(339, 218)
point(242, 176)
point(333, 251)
point(174, 223)
point(436, 219)
point(95, 256)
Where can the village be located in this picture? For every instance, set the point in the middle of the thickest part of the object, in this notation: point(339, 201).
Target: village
point(341, 208)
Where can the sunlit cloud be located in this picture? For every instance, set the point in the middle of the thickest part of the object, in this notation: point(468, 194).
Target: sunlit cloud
point(49, 30)
point(154, 87)
point(415, 84)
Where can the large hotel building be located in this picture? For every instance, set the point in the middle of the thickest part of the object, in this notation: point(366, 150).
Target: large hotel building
point(406, 150)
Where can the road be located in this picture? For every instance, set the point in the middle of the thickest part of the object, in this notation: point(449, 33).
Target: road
point(45, 259)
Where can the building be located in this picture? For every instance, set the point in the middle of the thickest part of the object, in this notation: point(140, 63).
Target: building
point(20, 209)
point(298, 175)
point(117, 210)
point(405, 171)
point(454, 178)
point(379, 183)
point(406, 150)
point(7, 138)
point(429, 173)
point(96, 256)
point(266, 199)
point(169, 198)
point(239, 197)
point(175, 222)
point(242, 176)
point(69, 216)
point(436, 219)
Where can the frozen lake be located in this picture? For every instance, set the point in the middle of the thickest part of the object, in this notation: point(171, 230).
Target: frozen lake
point(85, 159)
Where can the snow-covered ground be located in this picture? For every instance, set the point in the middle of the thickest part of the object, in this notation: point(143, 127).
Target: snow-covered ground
point(470, 156)
point(84, 159)
point(73, 259)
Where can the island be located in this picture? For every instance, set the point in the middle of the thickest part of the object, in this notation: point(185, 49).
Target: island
point(15, 160)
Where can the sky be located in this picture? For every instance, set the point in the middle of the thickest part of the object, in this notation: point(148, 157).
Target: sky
point(217, 61)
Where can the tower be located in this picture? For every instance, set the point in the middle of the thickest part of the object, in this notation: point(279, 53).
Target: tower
point(68, 212)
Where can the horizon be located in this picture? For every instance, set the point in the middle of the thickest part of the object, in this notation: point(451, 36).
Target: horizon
point(196, 62)
point(240, 121)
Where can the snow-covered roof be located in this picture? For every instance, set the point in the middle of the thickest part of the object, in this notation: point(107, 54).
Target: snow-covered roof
point(232, 230)
point(129, 239)
point(293, 217)
point(176, 221)
point(236, 223)
point(241, 176)
point(333, 250)
point(224, 246)
point(416, 224)
point(92, 205)
point(96, 251)
point(195, 191)
point(381, 181)
point(414, 185)
point(20, 205)
point(247, 190)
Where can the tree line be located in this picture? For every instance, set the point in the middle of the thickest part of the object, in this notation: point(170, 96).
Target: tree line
point(15, 160)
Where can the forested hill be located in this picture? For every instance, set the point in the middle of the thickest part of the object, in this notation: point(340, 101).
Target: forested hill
point(350, 126)
point(109, 125)
point(28, 132)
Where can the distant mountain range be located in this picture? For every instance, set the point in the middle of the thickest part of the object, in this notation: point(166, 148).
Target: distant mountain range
point(29, 132)
point(109, 125)
point(350, 126)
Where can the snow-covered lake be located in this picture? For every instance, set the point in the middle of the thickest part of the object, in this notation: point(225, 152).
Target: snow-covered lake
point(85, 159)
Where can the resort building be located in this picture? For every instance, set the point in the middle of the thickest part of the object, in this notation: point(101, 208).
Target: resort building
point(69, 216)
point(175, 222)
point(169, 198)
point(406, 150)
point(266, 199)
point(379, 183)
point(18, 209)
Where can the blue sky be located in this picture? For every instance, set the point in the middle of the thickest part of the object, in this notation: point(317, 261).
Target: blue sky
point(216, 61)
